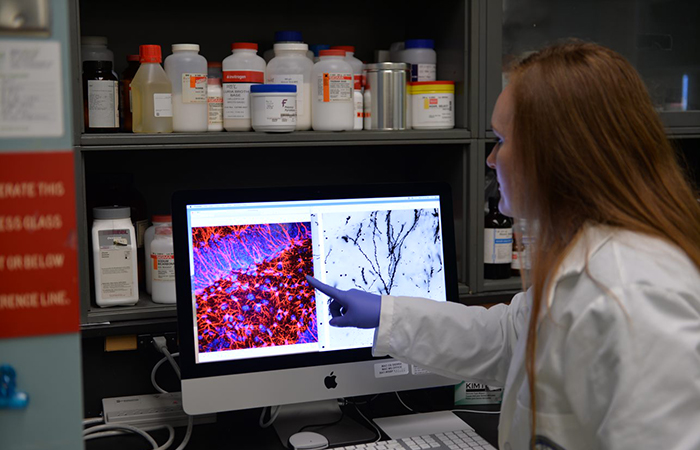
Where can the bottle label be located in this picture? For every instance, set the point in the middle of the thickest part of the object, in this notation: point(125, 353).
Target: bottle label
point(358, 82)
point(194, 88)
point(116, 264)
point(216, 109)
point(335, 87)
point(279, 111)
point(162, 105)
point(103, 104)
point(498, 245)
point(140, 227)
point(243, 76)
point(436, 108)
point(237, 100)
point(297, 80)
point(163, 266)
point(423, 72)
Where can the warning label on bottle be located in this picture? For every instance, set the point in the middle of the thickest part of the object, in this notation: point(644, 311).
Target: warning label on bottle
point(163, 266)
point(103, 104)
point(162, 105)
point(335, 87)
point(116, 264)
point(194, 88)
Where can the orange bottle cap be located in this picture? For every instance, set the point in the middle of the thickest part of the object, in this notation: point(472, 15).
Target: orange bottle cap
point(150, 54)
point(335, 52)
point(244, 45)
point(347, 48)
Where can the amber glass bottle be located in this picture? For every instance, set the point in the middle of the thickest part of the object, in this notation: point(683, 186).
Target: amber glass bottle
point(100, 97)
point(127, 76)
point(498, 243)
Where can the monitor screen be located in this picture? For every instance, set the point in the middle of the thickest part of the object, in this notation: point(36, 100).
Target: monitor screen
point(254, 333)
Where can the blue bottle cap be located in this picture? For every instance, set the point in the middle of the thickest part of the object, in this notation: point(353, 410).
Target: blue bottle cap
point(420, 43)
point(288, 36)
point(273, 88)
point(318, 47)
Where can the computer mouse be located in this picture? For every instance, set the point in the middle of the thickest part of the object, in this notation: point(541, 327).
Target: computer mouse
point(307, 440)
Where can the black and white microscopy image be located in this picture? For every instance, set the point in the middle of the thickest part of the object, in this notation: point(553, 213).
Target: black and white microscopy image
point(395, 252)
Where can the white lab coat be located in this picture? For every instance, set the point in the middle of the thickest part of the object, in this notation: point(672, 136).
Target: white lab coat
point(618, 358)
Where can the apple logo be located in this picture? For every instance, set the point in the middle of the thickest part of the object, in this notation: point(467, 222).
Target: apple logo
point(330, 382)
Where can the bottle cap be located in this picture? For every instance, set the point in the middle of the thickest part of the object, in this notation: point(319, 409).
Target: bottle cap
point(150, 54)
point(97, 65)
point(331, 53)
point(131, 58)
point(297, 46)
point(93, 40)
point(111, 212)
point(288, 36)
point(420, 43)
point(347, 48)
point(318, 47)
point(161, 218)
point(214, 64)
point(185, 47)
point(272, 88)
point(244, 46)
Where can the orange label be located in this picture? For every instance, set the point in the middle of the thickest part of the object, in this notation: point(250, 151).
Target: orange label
point(326, 87)
point(193, 81)
point(243, 76)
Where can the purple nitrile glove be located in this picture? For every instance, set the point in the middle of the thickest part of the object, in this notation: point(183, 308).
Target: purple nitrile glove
point(353, 308)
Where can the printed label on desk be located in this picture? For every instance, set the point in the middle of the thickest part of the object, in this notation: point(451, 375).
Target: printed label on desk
point(390, 369)
point(415, 370)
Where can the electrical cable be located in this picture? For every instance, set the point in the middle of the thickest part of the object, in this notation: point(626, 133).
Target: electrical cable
point(120, 432)
point(274, 411)
point(92, 421)
point(109, 427)
point(376, 428)
point(474, 411)
point(404, 405)
point(188, 434)
point(155, 369)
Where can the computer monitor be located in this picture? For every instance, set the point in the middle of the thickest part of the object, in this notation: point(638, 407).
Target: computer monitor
point(253, 333)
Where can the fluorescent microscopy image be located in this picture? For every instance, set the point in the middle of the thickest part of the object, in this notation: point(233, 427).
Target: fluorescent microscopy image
point(250, 288)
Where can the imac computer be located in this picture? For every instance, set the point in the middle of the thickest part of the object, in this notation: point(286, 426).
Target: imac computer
point(254, 333)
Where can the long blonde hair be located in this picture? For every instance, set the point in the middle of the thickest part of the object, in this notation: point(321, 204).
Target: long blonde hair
point(592, 149)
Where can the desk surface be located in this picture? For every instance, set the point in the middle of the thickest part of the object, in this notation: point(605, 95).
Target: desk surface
point(240, 431)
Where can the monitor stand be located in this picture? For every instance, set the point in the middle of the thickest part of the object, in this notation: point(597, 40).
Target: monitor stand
point(294, 417)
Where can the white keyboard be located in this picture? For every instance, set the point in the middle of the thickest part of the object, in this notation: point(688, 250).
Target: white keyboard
point(452, 440)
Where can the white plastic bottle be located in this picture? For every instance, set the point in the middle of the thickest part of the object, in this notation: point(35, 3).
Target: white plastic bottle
point(282, 37)
point(163, 266)
point(215, 104)
point(357, 66)
point(158, 221)
point(243, 68)
point(420, 54)
point(151, 94)
point(187, 70)
point(114, 256)
point(332, 107)
point(291, 66)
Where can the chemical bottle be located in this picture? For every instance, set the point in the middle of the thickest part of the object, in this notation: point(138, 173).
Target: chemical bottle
point(100, 97)
point(332, 107)
point(214, 70)
point(286, 37)
point(243, 68)
point(187, 70)
point(114, 257)
point(420, 54)
point(127, 76)
point(316, 48)
point(215, 104)
point(521, 248)
point(291, 66)
point(163, 259)
point(498, 243)
point(94, 48)
point(158, 221)
point(357, 67)
point(151, 94)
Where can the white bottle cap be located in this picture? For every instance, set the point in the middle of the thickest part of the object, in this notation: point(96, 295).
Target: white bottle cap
point(185, 47)
point(289, 46)
point(93, 40)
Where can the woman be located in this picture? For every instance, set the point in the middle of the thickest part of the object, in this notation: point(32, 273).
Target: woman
point(603, 350)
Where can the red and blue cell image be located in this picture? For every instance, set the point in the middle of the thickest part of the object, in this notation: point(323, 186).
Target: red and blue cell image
point(250, 286)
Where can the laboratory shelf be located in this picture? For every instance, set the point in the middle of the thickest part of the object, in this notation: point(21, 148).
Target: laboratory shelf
point(130, 141)
point(144, 309)
point(508, 284)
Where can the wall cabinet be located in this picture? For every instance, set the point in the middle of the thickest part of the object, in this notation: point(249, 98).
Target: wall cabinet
point(473, 38)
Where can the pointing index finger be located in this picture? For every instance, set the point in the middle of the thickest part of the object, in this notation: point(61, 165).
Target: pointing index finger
point(328, 290)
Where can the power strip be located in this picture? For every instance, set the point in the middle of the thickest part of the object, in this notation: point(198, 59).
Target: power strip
point(149, 410)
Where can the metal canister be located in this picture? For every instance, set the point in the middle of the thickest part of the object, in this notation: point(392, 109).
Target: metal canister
point(386, 97)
